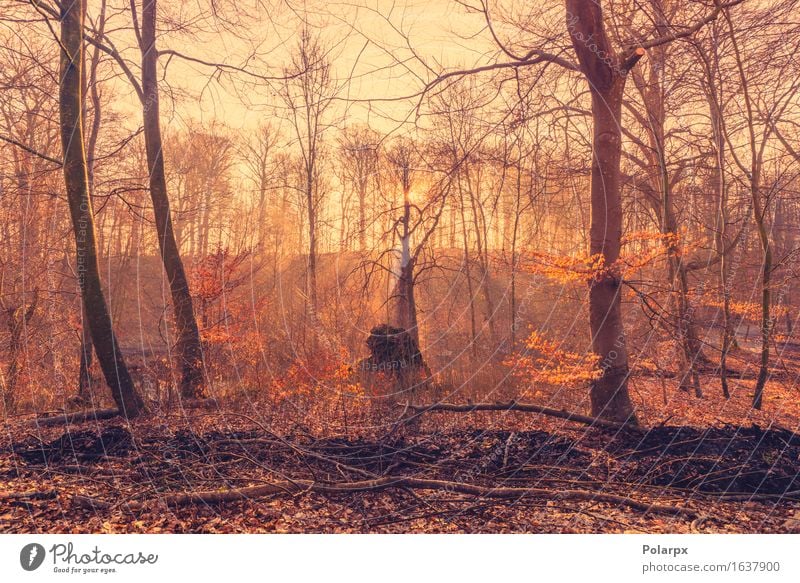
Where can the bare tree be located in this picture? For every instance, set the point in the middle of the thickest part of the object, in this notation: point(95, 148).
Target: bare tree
point(307, 93)
point(259, 156)
point(403, 158)
point(80, 205)
point(663, 176)
point(189, 348)
point(606, 73)
point(359, 154)
point(90, 86)
point(774, 98)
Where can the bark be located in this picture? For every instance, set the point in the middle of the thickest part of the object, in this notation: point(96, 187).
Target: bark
point(606, 75)
point(189, 348)
point(77, 186)
point(691, 342)
point(84, 371)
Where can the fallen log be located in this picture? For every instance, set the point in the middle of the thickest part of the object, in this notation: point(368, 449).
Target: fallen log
point(524, 408)
point(89, 503)
point(32, 495)
point(378, 484)
point(78, 417)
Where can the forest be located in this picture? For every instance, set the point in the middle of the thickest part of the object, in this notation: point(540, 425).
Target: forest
point(406, 266)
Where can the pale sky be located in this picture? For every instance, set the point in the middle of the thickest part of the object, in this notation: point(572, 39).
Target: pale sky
point(360, 40)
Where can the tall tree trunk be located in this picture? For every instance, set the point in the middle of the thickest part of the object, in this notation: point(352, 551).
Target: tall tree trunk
point(759, 211)
point(606, 75)
point(77, 186)
point(514, 255)
point(189, 348)
point(759, 214)
point(84, 371)
point(468, 274)
point(680, 323)
point(609, 393)
point(405, 312)
point(688, 342)
point(362, 217)
point(721, 238)
point(481, 245)
point(262, 209)
point(90, 85)
point(714, 98)
point(18, 319)
point(311, 274)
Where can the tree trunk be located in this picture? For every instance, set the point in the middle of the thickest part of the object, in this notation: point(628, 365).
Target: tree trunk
point(687, 340)
point(90, 84)
point(405, 312)
point(514, 255)
point(77, 187)
point(84, 373)
point(721, 242)
point(609, 393)
point(362, 217)
point(189, 348)
point(680, 322)
point(759, 214)
point(262, 209)
point(18, 319)
point(468, 276)
point(688, 343)
point(311, 275)
point(606, 76)
point(766, 274)
point(481, 244)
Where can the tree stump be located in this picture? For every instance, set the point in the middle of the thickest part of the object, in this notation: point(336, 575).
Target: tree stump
point(395, 370)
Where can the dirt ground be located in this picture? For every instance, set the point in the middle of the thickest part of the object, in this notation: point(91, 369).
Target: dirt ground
point(700, 471)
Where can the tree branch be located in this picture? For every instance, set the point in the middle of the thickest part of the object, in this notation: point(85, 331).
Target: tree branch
point(30, 150)
point(661, 40)
point(378, 484)
point(525, 408)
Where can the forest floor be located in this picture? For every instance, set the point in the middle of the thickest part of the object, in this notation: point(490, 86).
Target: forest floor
point(701, 465)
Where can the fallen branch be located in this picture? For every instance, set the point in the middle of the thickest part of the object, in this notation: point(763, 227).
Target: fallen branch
point(525, 408)
point(299, 486)
point(89, 503)
point(33, 495)
point(79, 417)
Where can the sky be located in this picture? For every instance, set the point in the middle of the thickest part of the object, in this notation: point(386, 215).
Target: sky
point(370, 58)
